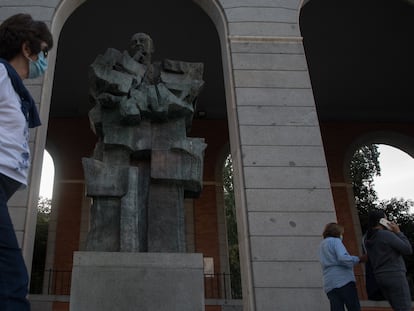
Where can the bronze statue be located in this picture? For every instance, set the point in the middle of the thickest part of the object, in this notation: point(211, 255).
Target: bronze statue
point(143, 164)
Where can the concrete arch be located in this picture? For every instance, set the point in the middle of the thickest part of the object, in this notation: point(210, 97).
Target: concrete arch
point(62, 13)
point(391, 138)
point(215, 11)
point(303, 3)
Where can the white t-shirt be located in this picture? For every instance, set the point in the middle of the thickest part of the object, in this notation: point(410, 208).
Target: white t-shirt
point(14, 132)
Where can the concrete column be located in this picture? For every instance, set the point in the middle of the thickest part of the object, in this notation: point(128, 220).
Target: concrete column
point(282, 171)
point(286, 183)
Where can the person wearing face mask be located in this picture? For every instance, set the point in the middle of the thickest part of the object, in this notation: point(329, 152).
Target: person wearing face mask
point(337, 267)
point(24, 44)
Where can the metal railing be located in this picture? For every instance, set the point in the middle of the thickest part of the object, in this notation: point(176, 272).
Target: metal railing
point(217, 286)
point(58, 282)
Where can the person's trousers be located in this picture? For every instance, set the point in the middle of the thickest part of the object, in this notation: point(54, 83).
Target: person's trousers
point(394, 286)
point(13, 273)
point(346, 295)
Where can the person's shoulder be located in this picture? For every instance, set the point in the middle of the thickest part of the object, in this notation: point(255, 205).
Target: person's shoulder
point(2, 68)
point(332, 240)
point(4, 75)
point(385, 234)
point(6, 86)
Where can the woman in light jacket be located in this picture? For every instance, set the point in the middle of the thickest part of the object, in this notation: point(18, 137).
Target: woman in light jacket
point(337, 266)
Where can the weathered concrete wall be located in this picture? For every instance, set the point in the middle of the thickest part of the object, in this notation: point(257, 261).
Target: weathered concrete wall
point(284, 176)
point(286, 182)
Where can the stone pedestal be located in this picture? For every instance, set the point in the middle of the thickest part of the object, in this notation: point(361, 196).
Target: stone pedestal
point(105, 281)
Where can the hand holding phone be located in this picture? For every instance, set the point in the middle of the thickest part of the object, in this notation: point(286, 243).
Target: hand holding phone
point(386, 223)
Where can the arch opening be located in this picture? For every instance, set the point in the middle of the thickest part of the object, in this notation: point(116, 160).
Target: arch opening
point(366, 168)
point(44, 209)
point(231, 230)
point(198, 42)
point(69, 105)
point(359, 61)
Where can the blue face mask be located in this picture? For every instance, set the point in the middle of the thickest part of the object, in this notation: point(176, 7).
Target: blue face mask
point(38, 67)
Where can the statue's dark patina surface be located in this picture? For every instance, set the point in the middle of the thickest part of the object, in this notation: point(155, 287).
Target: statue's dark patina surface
point(143, 165)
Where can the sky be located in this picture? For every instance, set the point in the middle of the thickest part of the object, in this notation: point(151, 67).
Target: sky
point(396, 180)
point(397, 174)
point(48, 173)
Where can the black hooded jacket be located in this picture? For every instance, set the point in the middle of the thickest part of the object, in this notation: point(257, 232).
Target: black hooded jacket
point(385, 250)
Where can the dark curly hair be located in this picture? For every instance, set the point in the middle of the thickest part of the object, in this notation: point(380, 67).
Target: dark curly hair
point(21, 28)
point(332, 230)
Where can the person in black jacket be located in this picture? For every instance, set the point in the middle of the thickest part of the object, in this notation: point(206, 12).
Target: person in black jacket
point(385, 248)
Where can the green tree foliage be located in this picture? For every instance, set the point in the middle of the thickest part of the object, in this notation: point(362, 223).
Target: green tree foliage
point(231, 222)
point(39, 253)
point(364, 166)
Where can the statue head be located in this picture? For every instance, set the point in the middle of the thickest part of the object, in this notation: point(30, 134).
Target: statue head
point(141, 47)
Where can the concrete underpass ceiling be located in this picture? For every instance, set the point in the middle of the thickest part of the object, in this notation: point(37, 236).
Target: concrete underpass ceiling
point(361, 58)
point(359, 52)
point(180, 30)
